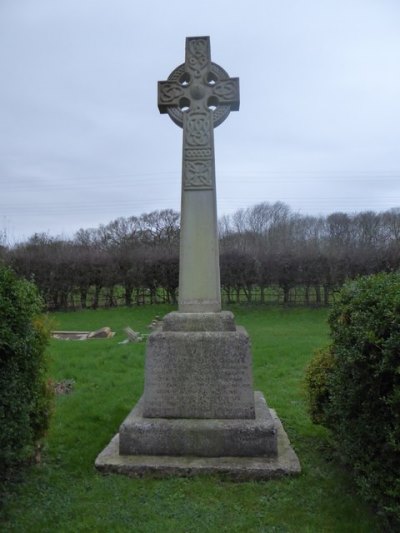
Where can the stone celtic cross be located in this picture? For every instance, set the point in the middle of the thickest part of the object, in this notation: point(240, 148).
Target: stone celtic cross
point(199, 413)
point(198, 96)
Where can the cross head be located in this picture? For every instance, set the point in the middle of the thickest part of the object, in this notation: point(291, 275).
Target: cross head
point(198, 96)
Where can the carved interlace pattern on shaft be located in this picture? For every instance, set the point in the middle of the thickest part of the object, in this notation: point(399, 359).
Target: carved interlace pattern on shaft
point(198, 129)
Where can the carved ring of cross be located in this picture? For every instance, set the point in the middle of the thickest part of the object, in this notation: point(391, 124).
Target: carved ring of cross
point(198, 85)
point(179, 75)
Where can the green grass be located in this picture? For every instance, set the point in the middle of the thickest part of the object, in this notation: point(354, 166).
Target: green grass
point(66, 494)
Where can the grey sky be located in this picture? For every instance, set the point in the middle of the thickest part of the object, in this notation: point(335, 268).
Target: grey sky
point(82, 141)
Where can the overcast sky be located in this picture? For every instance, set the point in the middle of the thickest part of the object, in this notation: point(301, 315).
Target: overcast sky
point(82, 141)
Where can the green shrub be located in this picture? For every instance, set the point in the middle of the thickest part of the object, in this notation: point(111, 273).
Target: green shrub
point(318, 374)
point(363, 387)
point(25, 394)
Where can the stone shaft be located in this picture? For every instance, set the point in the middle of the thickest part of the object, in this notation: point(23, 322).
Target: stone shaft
point(199, 271)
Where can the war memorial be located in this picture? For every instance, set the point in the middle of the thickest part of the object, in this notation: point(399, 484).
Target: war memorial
point(199, 412)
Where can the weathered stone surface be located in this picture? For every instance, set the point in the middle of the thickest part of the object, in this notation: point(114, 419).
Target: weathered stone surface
point(201, 374)
point(102, 333)
point(133, 336)
point(199, 277)
point(206, 438)
point(223, 321)
point(71, 335)
point(285, 462)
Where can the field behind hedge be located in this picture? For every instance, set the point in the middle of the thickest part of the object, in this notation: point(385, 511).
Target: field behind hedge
point(66, 494)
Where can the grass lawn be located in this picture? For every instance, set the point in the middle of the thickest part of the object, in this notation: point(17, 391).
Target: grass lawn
point(66, 494)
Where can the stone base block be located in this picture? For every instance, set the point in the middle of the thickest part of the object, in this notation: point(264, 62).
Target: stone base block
point(201, 437)
point(198, 374)
point(285, 462)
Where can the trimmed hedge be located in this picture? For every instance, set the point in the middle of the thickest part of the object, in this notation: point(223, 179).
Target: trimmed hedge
point(318, 374)
point(356, 390)
point(25, 394)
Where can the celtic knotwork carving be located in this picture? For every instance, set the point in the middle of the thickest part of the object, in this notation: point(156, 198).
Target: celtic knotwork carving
point(226, 90)
point(169, 92)
point(197, 175)
point(199, 153)
point(198, 129)
point(198, 55)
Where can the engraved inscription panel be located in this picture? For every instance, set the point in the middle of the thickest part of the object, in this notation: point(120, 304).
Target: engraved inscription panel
point(205, 377)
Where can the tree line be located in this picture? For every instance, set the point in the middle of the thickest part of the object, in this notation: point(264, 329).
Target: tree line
point(268, 253)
